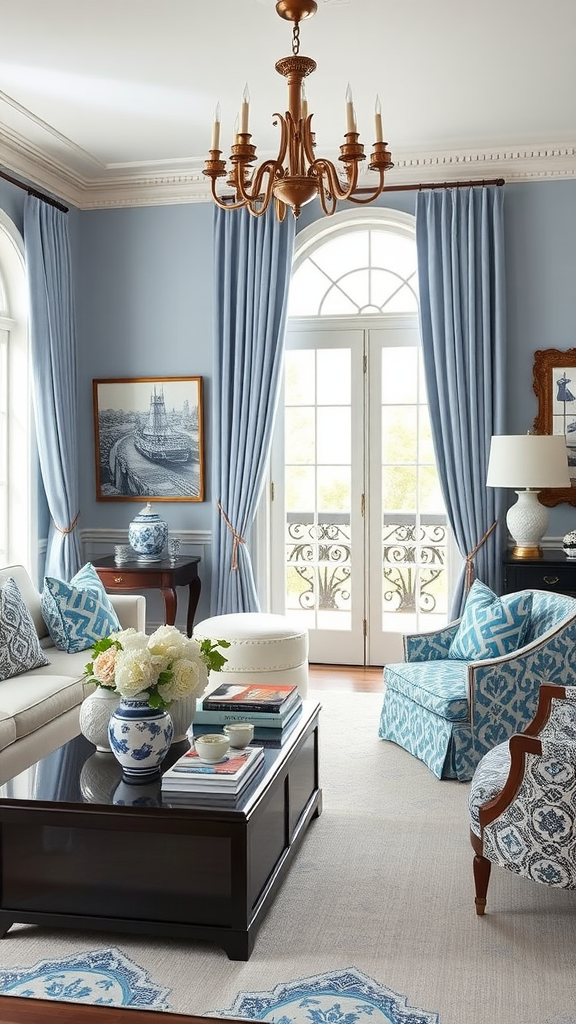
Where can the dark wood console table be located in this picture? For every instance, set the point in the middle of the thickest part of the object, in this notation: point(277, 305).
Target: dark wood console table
point(553, 570)
point(164, 576)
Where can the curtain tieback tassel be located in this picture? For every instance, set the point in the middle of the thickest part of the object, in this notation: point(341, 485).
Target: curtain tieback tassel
point(237, 539)
point(470, 571)
point(67, 529)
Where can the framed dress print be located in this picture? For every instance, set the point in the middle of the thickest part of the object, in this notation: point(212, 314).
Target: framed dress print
point(555, 388)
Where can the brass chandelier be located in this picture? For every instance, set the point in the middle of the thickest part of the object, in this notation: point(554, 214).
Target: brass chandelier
point(296, 176)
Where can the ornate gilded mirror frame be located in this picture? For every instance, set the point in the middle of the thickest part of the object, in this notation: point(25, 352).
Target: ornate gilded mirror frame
point(555, 388)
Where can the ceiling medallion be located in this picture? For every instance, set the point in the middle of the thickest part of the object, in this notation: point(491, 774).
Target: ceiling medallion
point(297, 175)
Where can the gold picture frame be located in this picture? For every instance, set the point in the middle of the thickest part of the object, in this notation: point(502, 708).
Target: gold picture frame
point(148, 439)
point(554, 372)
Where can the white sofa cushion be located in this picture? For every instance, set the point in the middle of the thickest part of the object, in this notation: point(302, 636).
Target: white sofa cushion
point(7, 731)
point(19, 644)
point(41, 697)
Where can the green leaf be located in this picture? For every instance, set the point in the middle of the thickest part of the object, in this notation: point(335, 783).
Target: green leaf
point(165, 677)
point(211, 655)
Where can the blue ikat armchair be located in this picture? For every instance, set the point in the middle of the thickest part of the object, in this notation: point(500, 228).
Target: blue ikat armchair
point(448, 710)
point(522, 800)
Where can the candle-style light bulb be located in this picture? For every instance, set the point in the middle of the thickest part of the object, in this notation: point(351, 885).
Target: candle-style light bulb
point(216, 128)
point(378, 120)
point(304, 103)
point(350, 115)
point(236, 126)
point(245, 110)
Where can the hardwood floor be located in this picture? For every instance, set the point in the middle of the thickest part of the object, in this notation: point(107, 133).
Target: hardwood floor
point(347, 678)
point(19, 1010)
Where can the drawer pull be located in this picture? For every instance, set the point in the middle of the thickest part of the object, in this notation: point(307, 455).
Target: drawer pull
point(551, 580)
point(118, 579)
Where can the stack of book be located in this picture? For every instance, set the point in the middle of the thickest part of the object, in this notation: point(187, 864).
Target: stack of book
point(267, 706)
point(219, 782)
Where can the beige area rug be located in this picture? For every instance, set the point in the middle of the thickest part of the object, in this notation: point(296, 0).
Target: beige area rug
point(383, 885)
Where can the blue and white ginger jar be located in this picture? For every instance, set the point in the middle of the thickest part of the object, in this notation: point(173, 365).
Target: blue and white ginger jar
point(140, 738)
point(148, 534)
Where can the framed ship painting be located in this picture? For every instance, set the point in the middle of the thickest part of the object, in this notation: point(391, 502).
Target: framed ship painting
point(148, 439)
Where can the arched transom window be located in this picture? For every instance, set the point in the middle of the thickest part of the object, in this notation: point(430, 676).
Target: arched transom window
point(368, 268)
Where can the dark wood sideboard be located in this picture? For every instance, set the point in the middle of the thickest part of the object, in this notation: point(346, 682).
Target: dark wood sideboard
point(553, 570)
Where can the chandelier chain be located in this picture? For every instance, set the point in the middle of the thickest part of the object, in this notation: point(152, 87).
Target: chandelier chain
point(296, 39)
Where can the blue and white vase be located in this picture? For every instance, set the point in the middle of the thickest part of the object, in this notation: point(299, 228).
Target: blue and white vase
point(140, 737)
point(148, 534)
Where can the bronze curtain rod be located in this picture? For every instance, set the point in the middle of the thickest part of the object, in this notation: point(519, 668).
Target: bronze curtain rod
point(439, 184)
point(34, 192)
point(484, 182)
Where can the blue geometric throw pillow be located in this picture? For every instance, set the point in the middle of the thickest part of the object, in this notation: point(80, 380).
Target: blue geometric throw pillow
point(20, 648)
point(78, 613)
point(490, 625)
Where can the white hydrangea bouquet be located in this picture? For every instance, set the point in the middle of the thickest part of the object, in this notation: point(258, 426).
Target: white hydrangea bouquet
point(166, 666)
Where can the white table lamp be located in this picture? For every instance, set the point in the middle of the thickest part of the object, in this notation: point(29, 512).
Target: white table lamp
point(527, 463)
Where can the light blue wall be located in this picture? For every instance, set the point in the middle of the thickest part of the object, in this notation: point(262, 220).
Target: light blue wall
point(540, 226)
point(145, 305)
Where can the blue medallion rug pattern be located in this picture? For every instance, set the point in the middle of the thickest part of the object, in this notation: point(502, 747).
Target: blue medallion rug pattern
point(340, 997)
point(103, 976)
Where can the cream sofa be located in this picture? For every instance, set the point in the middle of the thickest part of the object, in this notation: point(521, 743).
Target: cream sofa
point(39, 709)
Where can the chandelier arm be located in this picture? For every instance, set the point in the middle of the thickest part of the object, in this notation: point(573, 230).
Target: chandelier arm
point(254, 210)
point(224, 204)
point(283, 138)
point(271, 168)
point(296, 163)
point(308, 139)
point(377, 191)
point(325, 168)
point(327, 199)
point(280, 208)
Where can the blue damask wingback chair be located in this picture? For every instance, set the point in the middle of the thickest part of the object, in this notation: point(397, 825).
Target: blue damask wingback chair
point(523, 799)
point(457, 694)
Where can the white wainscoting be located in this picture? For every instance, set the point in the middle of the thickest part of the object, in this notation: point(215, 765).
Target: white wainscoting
point(97, 543)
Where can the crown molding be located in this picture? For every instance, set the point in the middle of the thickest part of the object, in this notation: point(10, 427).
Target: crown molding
point(150, 185)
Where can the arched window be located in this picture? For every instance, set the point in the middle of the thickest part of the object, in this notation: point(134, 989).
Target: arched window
point(17, 448)
point(367, 268)
point(357, 518)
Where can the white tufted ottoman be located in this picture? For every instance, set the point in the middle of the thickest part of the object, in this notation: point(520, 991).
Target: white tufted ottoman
point(268, 647)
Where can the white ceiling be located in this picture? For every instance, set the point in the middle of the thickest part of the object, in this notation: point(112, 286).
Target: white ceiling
point(110, 102)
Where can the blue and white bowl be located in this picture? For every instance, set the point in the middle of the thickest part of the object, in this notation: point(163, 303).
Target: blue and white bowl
point(569, 544)
point(148, 534)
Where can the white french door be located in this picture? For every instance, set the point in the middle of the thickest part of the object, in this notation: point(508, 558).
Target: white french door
point(318, 476)
point(358, 534)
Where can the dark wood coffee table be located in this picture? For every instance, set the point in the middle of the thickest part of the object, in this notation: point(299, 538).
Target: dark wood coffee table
point(72, 857)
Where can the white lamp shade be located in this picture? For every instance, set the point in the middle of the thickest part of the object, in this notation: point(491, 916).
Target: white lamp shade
point(528, 461)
